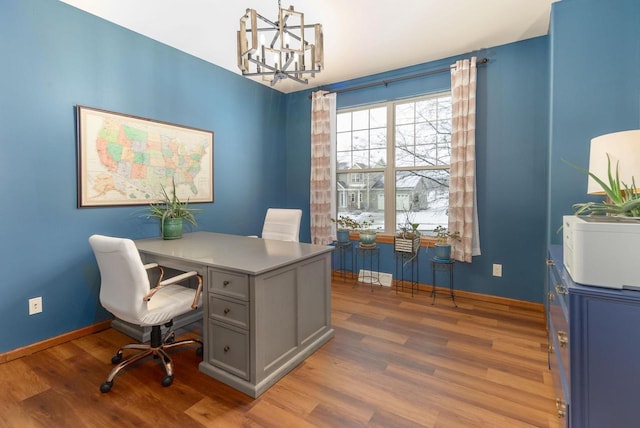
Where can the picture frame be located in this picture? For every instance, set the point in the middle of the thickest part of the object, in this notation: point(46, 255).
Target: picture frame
point(127, 160)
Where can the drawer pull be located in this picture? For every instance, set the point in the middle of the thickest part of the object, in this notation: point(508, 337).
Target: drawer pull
point(561, 406)
point(551, 296)
point(550, 262)
point(226, 349)
point(225, 283)
point(561, 290)
point(226, 311)
point(551, 350)
point(563, 339)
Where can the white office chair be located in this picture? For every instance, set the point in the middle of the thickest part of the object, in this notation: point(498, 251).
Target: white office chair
point(126, 293)
point(282, 224)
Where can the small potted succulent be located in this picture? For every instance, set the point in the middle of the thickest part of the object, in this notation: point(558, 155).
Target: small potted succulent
point(172, 213)
point(623, 200)
point(443, 242)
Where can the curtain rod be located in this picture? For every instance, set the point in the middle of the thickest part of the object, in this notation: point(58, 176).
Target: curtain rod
point(399, 79)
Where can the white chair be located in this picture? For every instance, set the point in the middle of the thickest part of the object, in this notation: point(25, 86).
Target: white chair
point(282, 224)
point(126, 293)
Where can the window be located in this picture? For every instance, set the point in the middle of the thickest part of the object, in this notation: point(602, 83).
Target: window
point(393, 162)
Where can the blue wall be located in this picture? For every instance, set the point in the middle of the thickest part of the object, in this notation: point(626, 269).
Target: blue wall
point(595, 90)
point(511, 145)
point(55, 57)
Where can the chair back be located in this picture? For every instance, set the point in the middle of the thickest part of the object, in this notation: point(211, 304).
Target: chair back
point(282, 224)
point(123, 279)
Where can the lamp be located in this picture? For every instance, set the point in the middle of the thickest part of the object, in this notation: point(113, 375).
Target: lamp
point(279, 50)
point(623, 149)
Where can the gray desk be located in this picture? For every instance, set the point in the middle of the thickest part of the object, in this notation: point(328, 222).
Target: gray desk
point(266, 303)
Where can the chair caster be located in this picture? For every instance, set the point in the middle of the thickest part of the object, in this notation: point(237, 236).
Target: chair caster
point(116, 359)
point(106, 387)
point(167, 380)
point(199, 351)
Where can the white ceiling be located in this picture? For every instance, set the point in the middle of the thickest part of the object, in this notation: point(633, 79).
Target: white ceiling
point(361, 37)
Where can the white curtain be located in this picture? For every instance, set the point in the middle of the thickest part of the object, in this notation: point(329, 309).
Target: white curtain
point(463, 211)
point(323, 178)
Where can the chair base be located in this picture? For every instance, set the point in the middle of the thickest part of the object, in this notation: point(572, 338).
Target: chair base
point(157, 348)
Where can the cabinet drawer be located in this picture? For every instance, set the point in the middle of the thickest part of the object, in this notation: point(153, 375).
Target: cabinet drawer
point(229, 348)
point(557, 374)
point(230, 311)
point(229, 284)
point(560, 325)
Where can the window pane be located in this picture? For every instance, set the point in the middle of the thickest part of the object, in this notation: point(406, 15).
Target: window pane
point(378, 117)
point(423, 196)
point(360, 140)
point(361, 119)
point(343, 141)
point(378, 158)
point(343, 122)
point(378, 138)
point(361, 158)
point(404, 113)
point(362, 197)
point(343, 160)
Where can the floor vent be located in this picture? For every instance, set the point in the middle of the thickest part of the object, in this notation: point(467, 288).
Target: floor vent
point(369, 277)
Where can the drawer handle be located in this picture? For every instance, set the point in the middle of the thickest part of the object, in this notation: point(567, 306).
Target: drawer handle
point(561, 406)
point(226, 311)
point(551, 296)
point(226, 349)
point(561, 289)
point(563, 339)
point(225, 283)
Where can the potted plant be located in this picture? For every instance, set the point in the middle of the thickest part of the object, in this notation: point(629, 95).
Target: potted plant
point(367, 235)
point(407, 239)
point(623, 201)
point(443, 242)
point(345, 225)
point(172, 213)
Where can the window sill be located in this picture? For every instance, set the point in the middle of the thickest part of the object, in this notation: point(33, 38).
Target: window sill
point(387, 238)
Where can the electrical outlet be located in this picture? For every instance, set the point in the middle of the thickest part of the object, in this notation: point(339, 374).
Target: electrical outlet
point(35, 305)
point(497, 270)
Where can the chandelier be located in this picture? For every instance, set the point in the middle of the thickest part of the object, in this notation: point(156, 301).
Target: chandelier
point(279, 50)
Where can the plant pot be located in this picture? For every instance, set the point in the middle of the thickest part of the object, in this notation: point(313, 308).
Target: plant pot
point(406, 243)
point(172, 228)
point(343, 236)
point(443, 252)
point(367, 238)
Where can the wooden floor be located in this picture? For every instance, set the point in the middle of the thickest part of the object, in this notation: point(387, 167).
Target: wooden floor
point(395, 361)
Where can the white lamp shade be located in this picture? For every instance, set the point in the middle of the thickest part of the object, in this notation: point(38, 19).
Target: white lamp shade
point(623, 149)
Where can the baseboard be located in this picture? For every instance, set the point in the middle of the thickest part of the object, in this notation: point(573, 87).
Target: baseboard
point(48, 343)
point(514, 303)
point(498, 300)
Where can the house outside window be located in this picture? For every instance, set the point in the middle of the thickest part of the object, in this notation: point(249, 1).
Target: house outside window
point(393, 161)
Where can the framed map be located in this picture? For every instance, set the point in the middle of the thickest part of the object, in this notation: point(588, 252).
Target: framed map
point(126, 160)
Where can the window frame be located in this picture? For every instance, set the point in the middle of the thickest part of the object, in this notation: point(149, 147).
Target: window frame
point(391, 169)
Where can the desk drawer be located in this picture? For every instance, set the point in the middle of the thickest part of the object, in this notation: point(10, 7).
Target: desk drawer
point(229, 284)
point(229, 348)
point(228, 310)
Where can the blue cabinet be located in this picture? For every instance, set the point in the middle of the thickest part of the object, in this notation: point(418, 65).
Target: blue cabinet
point(594, 350)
